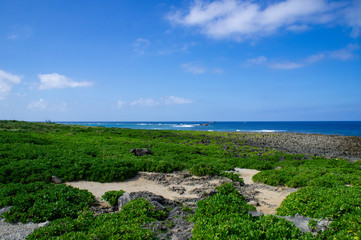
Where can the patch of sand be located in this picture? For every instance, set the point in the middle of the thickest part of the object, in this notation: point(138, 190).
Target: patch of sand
point(184, 187)
point(269, 198)
point(166, 185)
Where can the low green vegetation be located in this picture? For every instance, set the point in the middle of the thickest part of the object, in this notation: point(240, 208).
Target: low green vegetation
point(112, 197)
point(225, 216)
point(129, 224)
point(312, 172)
point(341, 204)
point(40, 202)
point(31, 153)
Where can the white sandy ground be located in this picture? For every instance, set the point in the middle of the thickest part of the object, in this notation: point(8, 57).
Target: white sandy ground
point(135, 184)
point(269, 198)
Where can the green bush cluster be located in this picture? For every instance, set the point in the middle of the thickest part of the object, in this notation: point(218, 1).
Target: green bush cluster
point(129, 224)
point(233, 176)
point(340, 204)
point(112, 197)
point(312, 172)
point(39, 201)
point(225, 216)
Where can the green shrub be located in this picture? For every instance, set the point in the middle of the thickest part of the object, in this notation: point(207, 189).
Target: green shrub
point(39, 201)
point(204, 169)
point(112, 197)
point(225, 216)
point(233, 176)
point(127, 224)
point(341, 204)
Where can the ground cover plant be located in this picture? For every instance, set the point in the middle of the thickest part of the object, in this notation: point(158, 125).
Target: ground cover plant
point(30, 153)
point(340, 204)
point(128, 224)
point(112, 197)
point(40, 202)
point(225, 216)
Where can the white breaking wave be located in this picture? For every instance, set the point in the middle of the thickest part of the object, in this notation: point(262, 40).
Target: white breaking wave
point(263, 130)
point(184, 125)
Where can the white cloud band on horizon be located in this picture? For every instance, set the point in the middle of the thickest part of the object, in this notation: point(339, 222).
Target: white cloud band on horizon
point(152, 102)
point(240, 19)
point(55, 80)
point(7, 81)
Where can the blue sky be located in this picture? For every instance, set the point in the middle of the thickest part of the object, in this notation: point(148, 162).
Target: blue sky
point(141, 60)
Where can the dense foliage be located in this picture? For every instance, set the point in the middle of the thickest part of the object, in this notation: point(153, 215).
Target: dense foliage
point(128, 224)
point(312, 172)
point(112, 197)
point(39, 201)
point(340, 204)
point(225, 216)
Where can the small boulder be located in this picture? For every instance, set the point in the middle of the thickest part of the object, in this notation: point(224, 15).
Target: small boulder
point(141, 151)
point(124, 199)
point(56, 180)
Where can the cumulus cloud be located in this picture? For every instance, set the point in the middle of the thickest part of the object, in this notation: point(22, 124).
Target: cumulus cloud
point(55, 80)
point(38, 105)
point(240, 19)
point(152, 102)
point(140, 45)
point(7, 81)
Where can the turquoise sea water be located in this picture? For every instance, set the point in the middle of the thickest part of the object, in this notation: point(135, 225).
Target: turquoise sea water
point(346, 128)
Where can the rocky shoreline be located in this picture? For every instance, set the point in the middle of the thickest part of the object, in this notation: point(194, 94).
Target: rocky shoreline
point(330, 146)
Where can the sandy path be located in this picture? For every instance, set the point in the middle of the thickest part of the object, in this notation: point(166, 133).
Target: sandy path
point(161, 184)
point(268, 197)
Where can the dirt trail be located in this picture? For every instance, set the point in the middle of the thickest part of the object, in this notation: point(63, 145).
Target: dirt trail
point(269, 198)
point(189, 189)
point(178, 186)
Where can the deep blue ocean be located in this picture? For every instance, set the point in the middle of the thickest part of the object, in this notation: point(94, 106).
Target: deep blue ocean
point(346, 128)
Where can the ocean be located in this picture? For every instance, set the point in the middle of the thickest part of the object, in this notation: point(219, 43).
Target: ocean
point(345, 128)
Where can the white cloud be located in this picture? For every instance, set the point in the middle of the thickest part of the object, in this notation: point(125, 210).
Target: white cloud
point(140, 45)
point(171, 100)
point(7, 81)
point(343, 54)
point(55, 80)
point(120, 104)
point(257, 60)
point(38, 105)
point(242, 19)
point(315, 58)
point(285, 65)
point(149, 102)
point(191, 68)
point(353, 17)
point(152, 102)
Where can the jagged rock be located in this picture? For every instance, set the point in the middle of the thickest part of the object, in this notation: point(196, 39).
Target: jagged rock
point(177, 189)
point(124, 199)
point(56, 180)
point(253, 203)
point(141, 151)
